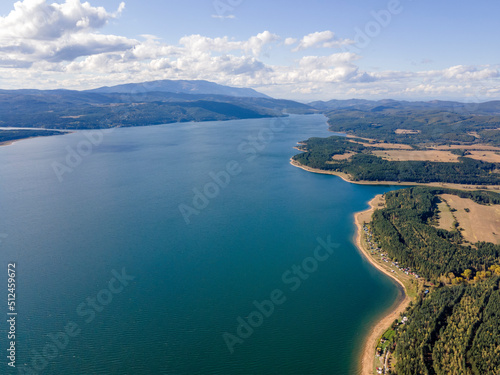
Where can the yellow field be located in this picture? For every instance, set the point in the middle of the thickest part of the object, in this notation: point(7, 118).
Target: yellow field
point(481, 223)
point(446, 218)
point(392, 146)
point(345, 156)
point(488, 156)
point(428, 155)
point(474, 134)
point(468, 148)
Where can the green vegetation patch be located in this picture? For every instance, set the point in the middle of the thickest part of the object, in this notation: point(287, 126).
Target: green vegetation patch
point(365, 166)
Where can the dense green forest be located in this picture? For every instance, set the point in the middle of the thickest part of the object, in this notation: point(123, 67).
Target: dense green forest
point(454, 330)
point(430, 126)
point(403, 229)
point(65, 109)
point(365, 166)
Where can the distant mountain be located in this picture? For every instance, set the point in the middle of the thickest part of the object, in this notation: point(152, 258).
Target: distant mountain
point(181, 87)
point(492, 107)
point(70, 109)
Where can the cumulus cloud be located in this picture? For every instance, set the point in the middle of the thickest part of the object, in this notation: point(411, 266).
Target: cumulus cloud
point(36, 19)
point(59, 45)
point(325, 39)
point(201, 44)
point(36, 30)
point(465, 73)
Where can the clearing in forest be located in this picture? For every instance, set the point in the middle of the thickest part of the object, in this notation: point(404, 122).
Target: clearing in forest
point(479, 222)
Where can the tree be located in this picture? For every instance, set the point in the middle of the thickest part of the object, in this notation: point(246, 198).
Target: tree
point(467, 274)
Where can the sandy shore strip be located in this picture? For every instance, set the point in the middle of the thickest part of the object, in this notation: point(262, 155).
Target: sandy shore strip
point(368, 353)
point(347, 178)
point(7, 143)
point(12, 141)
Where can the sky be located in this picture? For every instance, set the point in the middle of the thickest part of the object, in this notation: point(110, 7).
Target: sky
point(302, 50)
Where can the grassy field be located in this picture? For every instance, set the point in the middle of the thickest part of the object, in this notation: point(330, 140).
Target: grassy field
point(489, 156)
point(345, 156)
point(479, 222)
point(405, 155)
point(468, 147)
point(389, 146)
point(446, 218)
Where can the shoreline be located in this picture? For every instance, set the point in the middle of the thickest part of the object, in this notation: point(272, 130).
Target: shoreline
point(366, 363)
point(12, 141)
point(347, 178)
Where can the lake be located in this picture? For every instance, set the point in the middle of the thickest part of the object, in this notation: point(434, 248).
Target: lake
point(191, 248)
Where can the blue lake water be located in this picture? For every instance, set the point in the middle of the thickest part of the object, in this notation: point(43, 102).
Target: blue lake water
point(74, 215)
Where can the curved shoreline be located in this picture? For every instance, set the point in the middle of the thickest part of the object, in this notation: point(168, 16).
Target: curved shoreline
point(347, 178)
point(12, 141)
point(366, 363)
point(369, 346)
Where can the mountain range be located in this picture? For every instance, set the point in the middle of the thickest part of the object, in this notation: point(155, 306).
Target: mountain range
point(139, 104)
point(166, 101)
point(181, 87)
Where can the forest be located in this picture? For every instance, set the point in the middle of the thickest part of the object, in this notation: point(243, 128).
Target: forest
point(455, 329)
point(404, 230)
point(318, 153)
point(429, 125)
point(12, 135)
point(452, 331)
point(69, 109)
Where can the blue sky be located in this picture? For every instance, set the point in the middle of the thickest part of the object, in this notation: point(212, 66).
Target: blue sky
point(303, 50)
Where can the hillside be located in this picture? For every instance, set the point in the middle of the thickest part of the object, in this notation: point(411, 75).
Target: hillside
point(375, 162)
point(69, 109)
point(415, 123)
point(398, 141)
point(181, 87)
point(452, 327)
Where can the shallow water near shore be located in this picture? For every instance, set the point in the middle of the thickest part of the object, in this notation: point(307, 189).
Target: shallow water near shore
point(209, 219)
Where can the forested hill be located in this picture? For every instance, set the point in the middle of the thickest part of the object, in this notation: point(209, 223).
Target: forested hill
point(363, 162)
point(66, 109)
point(406, 230)
point(454, 329)
point(415, 123)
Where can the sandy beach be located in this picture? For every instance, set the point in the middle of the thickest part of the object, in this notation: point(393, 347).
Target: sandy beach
point(347, 178)
point(7, 143)
point(368, 354)
point(11, 142)
point(367, 360)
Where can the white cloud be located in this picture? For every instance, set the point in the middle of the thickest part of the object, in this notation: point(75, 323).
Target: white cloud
point(36, 30)
point(46, 45)
point(222, 17)
point(201, 44)
point(36, 19)
point(466, 73)
point(325, 39)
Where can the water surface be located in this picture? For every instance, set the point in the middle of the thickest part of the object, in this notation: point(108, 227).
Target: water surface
point(117, 207)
